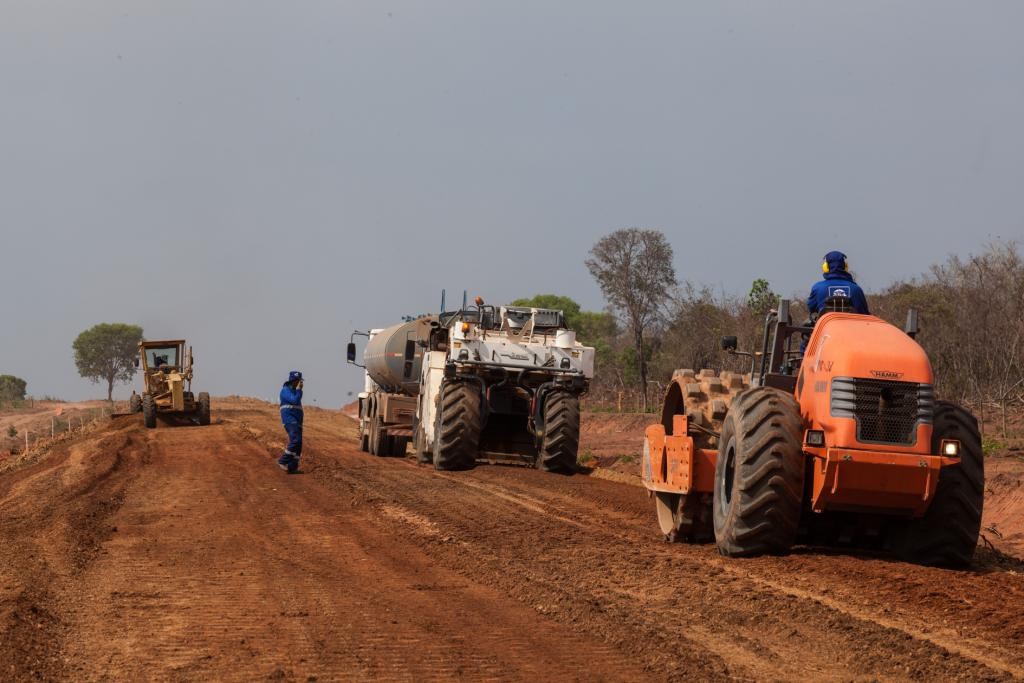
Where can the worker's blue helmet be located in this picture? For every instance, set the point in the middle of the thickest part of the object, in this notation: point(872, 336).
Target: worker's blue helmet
point(294, 376)
point(834, 261)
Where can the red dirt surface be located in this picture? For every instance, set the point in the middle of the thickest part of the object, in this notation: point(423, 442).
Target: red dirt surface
point(185, 554)
point(1003, 519)
point(351, 409)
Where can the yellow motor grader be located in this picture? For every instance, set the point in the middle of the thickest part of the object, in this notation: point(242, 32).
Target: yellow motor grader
point(167, 379)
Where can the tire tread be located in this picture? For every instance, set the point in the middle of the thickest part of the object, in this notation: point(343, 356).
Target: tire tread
point(767, 495)
point(561, 441)
point(948, 532)
point(458, 434)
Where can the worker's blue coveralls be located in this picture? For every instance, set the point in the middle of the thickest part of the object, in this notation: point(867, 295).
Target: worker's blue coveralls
point(837, 283)
point(291, 416)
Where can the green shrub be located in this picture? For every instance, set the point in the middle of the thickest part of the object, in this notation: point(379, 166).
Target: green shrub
point(12, 388)
point(990, 446)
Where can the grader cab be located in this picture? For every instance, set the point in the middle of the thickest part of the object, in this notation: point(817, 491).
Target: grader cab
point(167, 378)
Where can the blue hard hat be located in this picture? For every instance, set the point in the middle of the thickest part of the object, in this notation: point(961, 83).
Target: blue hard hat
point(294, 375)
point(835, 260)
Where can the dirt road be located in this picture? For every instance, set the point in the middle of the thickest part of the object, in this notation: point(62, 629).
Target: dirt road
point(184, 554)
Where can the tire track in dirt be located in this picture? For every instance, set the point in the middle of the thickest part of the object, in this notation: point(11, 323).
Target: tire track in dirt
point(43, 545)
point(973, 648)
point(1008, 660)
point(944, 639)
point(864, 628)
point(763, 628)
point(224, 568)
point(949, 590)
point(184, 554)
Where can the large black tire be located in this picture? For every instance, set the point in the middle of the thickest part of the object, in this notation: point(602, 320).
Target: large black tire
point(424, 455)
point(135, 404)
point(458, 426)
point(948, 532)
point(399, 445)
point(759, 476)
point(378, 437)
point(204, 408)
point(148, 411)
point(364, 436)
point(561, 440)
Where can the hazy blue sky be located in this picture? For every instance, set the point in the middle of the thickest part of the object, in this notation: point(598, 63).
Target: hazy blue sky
point(264, 177)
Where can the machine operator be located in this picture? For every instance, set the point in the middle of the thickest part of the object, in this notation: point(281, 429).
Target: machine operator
point(837, 282)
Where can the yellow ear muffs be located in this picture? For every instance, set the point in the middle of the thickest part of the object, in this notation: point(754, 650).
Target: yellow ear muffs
point(824, 267)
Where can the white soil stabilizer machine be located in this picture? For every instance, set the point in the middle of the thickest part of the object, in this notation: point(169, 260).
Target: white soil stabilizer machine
point(167, 380)
point(501, 385)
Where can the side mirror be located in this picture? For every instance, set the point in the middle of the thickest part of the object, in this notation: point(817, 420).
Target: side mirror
point(410, 350)
point(729, 344)
point(912, 326)
point(351, 352)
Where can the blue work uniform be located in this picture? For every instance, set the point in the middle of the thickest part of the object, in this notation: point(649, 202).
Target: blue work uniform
point(837, 283)
point(291, 417)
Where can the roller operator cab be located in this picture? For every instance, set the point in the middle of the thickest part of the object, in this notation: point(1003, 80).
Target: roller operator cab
point(835, 436)
point(501, 384)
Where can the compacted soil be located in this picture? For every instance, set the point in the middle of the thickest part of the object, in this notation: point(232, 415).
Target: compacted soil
point(183, 553)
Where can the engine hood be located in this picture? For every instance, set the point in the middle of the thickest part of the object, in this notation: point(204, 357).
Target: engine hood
point(849, 345)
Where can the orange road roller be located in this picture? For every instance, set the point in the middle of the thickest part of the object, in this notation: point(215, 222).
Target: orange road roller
point(834, 437)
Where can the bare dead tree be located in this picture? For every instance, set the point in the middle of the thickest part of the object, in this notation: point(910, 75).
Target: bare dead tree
point(634, 270)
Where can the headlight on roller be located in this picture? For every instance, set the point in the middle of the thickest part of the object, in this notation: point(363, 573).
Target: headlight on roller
point(951, 448)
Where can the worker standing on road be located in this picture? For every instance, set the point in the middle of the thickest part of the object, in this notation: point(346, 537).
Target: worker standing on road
point(837, 282)
point(291, 416)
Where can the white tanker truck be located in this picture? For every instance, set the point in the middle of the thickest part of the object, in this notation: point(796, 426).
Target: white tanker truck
point(493, 384)
point(387, 404)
